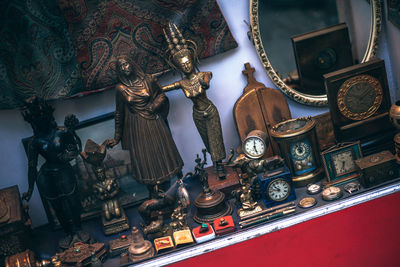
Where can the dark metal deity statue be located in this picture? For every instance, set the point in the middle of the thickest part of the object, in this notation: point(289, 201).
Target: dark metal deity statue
point(56, 179)
point(141, 126)
point(182, 55)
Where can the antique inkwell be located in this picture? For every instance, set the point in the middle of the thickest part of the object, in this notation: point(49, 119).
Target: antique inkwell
point(210, 204)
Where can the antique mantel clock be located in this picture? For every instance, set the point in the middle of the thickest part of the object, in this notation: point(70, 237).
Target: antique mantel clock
point(297, 140)
point(359, 101)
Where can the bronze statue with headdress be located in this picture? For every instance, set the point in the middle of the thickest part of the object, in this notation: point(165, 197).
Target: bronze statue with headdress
point(182, 56)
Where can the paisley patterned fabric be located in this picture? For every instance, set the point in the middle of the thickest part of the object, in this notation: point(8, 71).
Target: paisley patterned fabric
point(101, 30)
point(61, 48)
point(36, 53)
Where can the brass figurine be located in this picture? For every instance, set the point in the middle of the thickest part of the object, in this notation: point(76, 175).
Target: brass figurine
point(210, 204)
point(106, 189)
point(153, 210)
point(56, 179)
point(246, 198)
point(182, 56)
point(141, 126)
point(179, 218)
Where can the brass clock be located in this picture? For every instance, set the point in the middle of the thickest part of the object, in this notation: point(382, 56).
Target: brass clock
point(359, 97)
point(359, 101)
point(298, 145)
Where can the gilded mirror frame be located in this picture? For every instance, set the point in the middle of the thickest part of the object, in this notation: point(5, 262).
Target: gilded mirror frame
point(307, 99)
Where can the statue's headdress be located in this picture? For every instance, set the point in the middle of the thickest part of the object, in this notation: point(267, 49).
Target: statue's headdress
point(38, 113)
point(178, 46)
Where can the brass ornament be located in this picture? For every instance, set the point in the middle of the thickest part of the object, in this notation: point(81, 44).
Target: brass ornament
point(346, 94)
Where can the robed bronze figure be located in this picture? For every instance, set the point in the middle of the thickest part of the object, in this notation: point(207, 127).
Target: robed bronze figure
point(182, 55)
point(141, 126)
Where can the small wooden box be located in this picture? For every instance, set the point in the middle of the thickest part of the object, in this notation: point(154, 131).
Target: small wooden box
point(15, 233)
point(377, 168)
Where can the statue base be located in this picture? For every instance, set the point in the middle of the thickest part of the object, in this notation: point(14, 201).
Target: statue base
point(242, 213)
point(226, 185)
point(210, 205)
point(115, 225)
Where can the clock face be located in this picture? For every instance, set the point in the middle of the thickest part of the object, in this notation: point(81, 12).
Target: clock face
point(303, 161)
point(278, 190)
point(343, 162)
point(254, 147)
point(300, 150)
point(359, 97)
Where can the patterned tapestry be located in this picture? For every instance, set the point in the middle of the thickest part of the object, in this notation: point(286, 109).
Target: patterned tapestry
point(62, 48)
point(36, 53)
point(101, 30)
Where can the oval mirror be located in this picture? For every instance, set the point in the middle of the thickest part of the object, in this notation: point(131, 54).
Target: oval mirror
point(276, 25)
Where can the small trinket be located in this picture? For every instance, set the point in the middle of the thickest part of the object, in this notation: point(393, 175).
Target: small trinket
point(163, 243)
point(183, 237)
point(224, 225)
point(203, 233)
point(352, 187)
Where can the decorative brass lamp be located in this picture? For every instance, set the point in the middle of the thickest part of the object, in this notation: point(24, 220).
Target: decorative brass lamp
point(210, 204)
point(297, 140)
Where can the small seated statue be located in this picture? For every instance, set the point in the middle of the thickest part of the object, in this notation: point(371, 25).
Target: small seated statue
point(246, 198)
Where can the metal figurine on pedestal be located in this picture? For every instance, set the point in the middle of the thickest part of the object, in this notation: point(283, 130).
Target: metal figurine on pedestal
point(56, 179)
point(182, 56)
point(210, 204)
point(106, 190)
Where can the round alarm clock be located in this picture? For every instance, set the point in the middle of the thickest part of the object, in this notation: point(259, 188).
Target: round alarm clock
point(298, 145)
point(255, 144)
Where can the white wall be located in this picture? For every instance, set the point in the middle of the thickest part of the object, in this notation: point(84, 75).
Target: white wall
point(226, 87)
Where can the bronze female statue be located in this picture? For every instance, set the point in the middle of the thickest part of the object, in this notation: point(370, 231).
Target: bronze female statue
point(56, 179)
point(141, 126)
point(182, 56)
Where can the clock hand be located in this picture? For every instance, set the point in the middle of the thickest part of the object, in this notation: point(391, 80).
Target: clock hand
point(254, 145)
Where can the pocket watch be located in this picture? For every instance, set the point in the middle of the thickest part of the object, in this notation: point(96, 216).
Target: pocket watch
point(255, 144)
point(307, 202)
point(313, 189)
point(352, 187)
point(331, 193)
point(359, 97)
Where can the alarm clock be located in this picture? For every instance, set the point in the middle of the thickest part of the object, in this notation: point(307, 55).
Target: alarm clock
point(276, 186)
point(298, 145)
point(255, 144)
